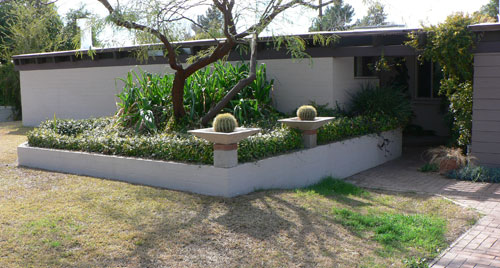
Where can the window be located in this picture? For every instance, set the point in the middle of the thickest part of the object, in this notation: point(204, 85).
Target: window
point(428, 79)
point(363, 66)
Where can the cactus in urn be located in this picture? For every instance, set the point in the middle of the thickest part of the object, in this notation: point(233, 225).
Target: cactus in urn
point(306, 112)
point(225, 123)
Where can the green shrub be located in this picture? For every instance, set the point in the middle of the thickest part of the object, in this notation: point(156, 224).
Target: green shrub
point(225, 123)
point(324, 110)
point(101, 136)
point(476, 174)
point(450, 44)
point(145, 102)
point(429, 167)
point(278, 141)
point(75, 127)
point(10, 92)
point(385, 101)
point(347, 127)
point(104, 136)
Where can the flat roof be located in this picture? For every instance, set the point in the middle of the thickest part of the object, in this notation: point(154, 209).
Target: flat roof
point(485, 27)
point(210, 42)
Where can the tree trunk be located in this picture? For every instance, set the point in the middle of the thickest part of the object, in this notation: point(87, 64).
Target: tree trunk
point(238, 87)
point(178, 95)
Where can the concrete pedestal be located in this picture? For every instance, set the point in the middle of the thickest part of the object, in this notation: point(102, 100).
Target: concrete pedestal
point(225, 155)
point(309, 128)
point(309, 138)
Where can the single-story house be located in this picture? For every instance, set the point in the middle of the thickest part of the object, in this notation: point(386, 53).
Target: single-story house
point(72, 86)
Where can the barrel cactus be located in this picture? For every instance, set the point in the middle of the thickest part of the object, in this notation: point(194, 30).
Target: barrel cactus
point(306, 112)
point(225, 123)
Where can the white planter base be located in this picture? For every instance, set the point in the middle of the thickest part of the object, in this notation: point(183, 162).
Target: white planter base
point(296, 169)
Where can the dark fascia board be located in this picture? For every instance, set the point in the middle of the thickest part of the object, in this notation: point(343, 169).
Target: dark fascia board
point(184, 44)
point(68, 59)
point(267, 54)
point(488, 37)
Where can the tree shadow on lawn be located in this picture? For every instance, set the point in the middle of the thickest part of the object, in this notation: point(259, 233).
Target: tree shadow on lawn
point(257, 219)
point(260, 219)
point(183, 228)
point(14, 128)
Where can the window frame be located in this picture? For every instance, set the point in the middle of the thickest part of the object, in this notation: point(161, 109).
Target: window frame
point(355, 72)
point(432, 89)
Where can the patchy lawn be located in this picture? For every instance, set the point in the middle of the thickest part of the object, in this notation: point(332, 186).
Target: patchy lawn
point(50, 219)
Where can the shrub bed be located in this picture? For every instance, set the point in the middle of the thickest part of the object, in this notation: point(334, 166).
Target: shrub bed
point(104, 136)
point(476, 174)
point(347, 127)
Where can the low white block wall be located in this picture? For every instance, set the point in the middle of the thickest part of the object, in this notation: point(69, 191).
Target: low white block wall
point(6, 114)
point(297, 169)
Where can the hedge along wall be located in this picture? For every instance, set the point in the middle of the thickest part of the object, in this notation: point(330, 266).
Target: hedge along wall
point(101, 136)
point(78, 93)
point(291, 170)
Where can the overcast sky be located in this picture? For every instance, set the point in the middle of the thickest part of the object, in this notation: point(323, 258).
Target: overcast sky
point(411, 13)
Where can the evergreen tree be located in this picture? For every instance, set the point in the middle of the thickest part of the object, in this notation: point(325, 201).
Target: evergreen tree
point(71, 32)
point(26, 26)
point(490, 9)
point(209, 25)
point(376, 16)
point(336, 18)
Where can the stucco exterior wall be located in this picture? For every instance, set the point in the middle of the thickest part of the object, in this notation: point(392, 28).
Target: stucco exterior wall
point(486, 109)
point(91, 92)
point(73, 93)
point(324, 81)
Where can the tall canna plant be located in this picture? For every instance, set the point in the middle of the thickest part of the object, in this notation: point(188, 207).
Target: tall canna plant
point(145, 102)
point(158, 17)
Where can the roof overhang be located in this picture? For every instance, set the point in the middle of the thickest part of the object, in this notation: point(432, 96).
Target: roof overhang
point(358, 42)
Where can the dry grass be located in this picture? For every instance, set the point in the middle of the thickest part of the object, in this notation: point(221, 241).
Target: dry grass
point(50, 219)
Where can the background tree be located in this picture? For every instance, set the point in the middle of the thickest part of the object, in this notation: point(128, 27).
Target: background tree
point(26, 26)
point(376, 16)
point(156, 17)
point(209, 25)
point(490, 9)
point(71, 32)
point(336, 18)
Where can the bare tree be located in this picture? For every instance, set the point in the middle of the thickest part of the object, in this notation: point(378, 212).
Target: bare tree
point(164, 13)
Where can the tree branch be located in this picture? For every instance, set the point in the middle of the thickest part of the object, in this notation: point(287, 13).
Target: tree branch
point(238, 87)
point(172, 57)
point(276, 10)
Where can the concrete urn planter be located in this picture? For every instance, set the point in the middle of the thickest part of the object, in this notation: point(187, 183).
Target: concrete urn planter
point(309, 128)
point(225, 144)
